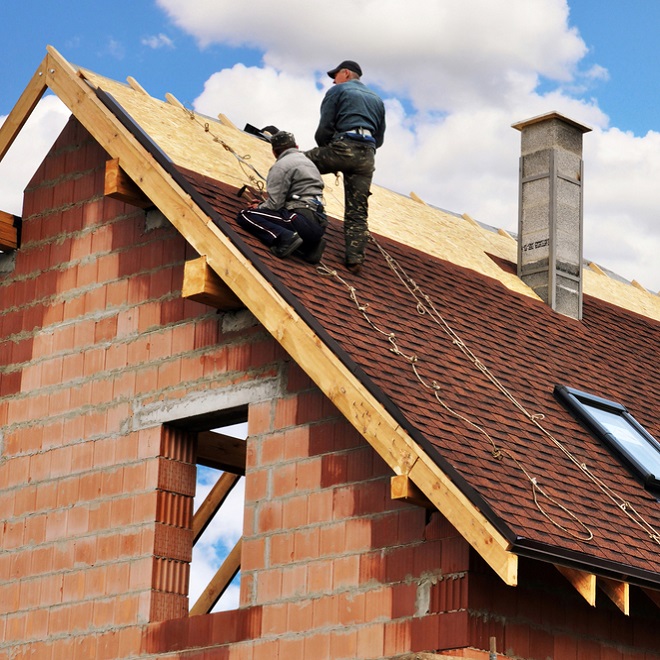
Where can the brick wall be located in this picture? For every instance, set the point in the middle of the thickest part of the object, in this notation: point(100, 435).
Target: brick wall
point(98, 354)
point(97, 347)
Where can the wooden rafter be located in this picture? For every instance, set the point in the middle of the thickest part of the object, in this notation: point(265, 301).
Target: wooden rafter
point(336, 381)
point(617, 592)
point(402, 488)
point(200, 283)
point(221, 452)
point(584, 583)
point(23, 108)
point(218, 585)
point(119, 185)
point(214, 500)
point(9, 225)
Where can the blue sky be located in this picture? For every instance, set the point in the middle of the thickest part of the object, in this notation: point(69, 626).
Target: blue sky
point(621, 36)
point(456, 74)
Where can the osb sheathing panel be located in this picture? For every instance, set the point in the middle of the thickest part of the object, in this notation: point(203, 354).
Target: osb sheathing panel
point(210, 147)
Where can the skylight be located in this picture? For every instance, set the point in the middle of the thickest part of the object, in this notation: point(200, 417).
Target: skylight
point(621, 432)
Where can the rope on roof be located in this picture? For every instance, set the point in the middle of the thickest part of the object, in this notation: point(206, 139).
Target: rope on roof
point(424, 306)
point(258, 180)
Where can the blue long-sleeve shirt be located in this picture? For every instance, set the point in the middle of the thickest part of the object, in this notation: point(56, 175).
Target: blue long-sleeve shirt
point(347, 106)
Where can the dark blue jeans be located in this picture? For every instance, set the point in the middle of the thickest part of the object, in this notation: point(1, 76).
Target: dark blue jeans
point(270, 226)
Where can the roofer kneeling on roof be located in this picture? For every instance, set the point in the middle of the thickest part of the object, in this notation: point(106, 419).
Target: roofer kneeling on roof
point(351, 128)
point(292, 218)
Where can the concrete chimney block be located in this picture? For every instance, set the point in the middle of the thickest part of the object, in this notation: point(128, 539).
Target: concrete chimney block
point(550, 210)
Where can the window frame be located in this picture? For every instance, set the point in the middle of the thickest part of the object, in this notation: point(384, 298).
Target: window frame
point(579, 404)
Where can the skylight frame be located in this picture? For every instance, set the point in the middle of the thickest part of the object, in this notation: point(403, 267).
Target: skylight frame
point(585, 406)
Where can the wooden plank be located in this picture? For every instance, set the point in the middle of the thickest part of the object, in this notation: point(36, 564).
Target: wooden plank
point(653, 595)
point(8, 231)
point(584, 583)
point(23, 108)
point(222, 452)
point(617, 592)
point(134, 84)
point(173, 100)
point(334, 379)
point(402, 488)
point(219, 583)
point(201, 283)
point(119, 185)
point(214, 500)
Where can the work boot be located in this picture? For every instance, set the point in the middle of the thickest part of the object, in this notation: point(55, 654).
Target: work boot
point(286, 246)
point(314, 255)
point(354, 268)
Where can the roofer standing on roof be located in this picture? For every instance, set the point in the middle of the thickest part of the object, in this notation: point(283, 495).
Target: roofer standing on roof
point(292, 218)
point(351, 128)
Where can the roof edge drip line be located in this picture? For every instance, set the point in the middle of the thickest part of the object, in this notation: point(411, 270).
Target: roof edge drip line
point(166, 163)
point(621, 572)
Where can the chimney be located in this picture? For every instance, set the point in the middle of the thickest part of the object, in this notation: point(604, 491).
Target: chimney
point(550, 210)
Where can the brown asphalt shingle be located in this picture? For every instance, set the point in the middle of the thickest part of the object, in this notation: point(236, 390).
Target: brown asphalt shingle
point(529, 349)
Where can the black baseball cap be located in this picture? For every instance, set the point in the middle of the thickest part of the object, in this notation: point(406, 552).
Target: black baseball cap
point(283, 140)
point(346, 64)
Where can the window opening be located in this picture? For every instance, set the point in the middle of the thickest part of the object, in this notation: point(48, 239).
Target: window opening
point(621, 432)
point(218, 519)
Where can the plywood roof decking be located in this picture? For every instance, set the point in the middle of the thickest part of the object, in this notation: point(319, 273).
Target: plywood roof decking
point(196, 142)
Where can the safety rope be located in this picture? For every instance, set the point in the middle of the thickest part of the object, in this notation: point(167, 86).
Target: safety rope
point(424, 306)
point(242, 160)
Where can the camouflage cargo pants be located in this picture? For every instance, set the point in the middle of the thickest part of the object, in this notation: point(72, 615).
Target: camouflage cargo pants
point(356, 161)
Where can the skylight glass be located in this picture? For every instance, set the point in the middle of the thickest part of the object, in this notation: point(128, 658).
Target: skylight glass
point(613, 424)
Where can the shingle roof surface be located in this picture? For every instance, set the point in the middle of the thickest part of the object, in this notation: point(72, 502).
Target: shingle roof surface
point(483, 429)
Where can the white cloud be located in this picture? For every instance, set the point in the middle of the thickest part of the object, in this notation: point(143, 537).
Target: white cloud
point(29, 149)
point(157, 41)
point(456, 76)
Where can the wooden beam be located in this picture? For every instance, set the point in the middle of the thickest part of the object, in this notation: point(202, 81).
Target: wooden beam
point(617, 592)
point(9, 225)
point(119, 185)
point(23, 108)
point(200, 283)
point(402, 488)
point(219, 583)
point(134, 84)
point(214, 500)
point(222, 452)
point(335, 380)
point(584, 583)
point(653, 595)
point(173, 100)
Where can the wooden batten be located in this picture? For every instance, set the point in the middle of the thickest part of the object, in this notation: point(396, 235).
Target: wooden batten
point(402, 488)
point(221, 452)
point(9, 231)
point(653, 595)
point(214, 500)
point(219, 583)
point(119, 185)
point(200, 283)
point(617, 592)
point(584, 583)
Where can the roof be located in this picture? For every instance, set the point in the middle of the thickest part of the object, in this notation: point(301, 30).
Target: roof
point(437, 353)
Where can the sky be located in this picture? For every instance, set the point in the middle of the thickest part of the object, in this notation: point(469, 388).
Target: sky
point(455, 75)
